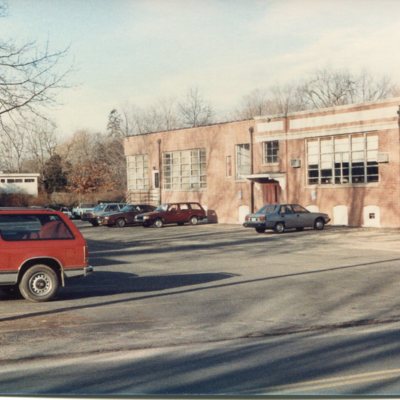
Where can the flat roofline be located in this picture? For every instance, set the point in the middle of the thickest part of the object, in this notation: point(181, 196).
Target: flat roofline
point(389, 101)
point(15, 174)
point(192, 127)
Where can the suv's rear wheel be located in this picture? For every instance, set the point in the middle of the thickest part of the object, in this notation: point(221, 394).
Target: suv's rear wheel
point(194, 220)
point(120, 222)
point(158, 223)
point(39, 283)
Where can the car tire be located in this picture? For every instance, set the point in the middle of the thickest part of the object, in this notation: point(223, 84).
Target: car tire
point(120, 222)
point(39, 283)
point(158, 223)
point(260, 230)
point(194, 220)
point(319, 224)
point(279, 227)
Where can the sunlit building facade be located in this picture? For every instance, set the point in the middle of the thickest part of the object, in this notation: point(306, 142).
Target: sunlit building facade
point(341, 160)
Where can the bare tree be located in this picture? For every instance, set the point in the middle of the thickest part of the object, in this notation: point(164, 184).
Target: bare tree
point(41, 142)
point(79, 147)
point(257, 102)
point(30, 76)
point(278, 100)
point(327, 88)
point(323, 88)
point(194, 110)
point(12, 148)
point(160, 116)
point(167, 113)
point(137, 121)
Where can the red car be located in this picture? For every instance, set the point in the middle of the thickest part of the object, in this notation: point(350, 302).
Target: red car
point(124, 217)
point(40, 249)
point(173, 213)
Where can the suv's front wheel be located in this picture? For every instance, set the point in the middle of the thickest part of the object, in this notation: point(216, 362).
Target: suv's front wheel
point(39, 283)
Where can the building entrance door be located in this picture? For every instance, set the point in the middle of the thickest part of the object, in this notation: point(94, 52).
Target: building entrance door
point(271, 192)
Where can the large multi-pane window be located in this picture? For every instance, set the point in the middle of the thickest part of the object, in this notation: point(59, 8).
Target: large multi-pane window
point(271, 152)
point(138, 175)
point(184, 170)
point(343, 159)
point(242, 160)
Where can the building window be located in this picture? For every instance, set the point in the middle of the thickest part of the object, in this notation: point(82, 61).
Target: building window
point(343, 159)
point(137, 168)
point(29, 180)
point(242, 160)
point(271, 151)
point(184, 170)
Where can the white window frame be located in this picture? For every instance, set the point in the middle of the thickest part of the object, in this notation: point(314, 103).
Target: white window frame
point(344, 159)
point(243, 162)
point(138, 172)
point(185, 170)
point(271, 152)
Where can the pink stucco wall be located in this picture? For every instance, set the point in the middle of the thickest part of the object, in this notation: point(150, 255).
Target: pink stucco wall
point(230, 198)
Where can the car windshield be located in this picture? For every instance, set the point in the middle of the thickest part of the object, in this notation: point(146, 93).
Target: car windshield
point(162, 207)
point(267, 209)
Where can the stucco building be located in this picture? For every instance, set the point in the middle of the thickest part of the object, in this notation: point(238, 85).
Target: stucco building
point(344, 161)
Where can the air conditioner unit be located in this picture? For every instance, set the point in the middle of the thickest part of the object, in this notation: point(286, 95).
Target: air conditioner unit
point(383, 157)
point(295, 163)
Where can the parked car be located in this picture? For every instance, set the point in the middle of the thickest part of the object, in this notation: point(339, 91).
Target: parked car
point(66, 211)
point(40, 249)
point(124, 217)
point(173, 213)
point(101, 209)
point(285, 216)
point(81, 209)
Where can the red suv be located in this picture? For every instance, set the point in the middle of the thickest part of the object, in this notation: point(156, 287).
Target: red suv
point(172, 213)
point(39, 249)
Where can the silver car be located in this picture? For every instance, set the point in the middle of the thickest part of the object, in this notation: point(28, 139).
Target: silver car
point(280, 217)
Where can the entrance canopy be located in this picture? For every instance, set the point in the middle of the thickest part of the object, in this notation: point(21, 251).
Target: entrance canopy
point(268, 177)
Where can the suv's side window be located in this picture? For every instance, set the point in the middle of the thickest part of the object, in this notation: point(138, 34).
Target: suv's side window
point(195, 206)
point(184, 207)
point(173, 208)
point(15, 227)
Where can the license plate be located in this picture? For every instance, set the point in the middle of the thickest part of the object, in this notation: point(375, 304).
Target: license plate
point(254, 219)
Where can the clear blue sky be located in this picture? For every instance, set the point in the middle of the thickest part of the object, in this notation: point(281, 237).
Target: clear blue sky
point(137, 51)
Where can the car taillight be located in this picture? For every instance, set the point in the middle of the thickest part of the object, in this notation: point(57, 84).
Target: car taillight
point(246, 218)
point(262, 218)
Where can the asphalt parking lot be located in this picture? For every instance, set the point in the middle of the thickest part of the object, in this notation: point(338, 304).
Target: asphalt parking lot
point(207, 283)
